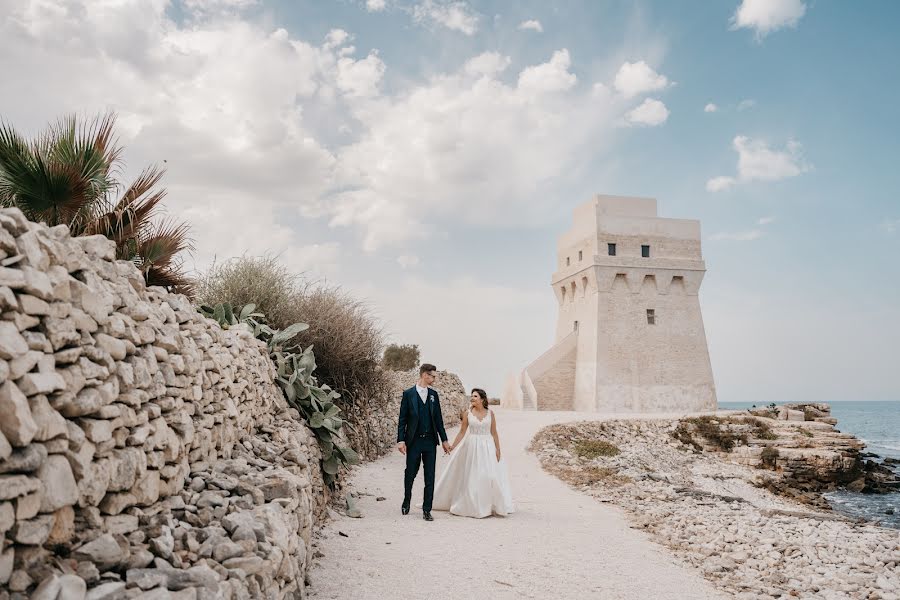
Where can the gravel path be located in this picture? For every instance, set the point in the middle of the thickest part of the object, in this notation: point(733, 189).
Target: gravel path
point(559, 543)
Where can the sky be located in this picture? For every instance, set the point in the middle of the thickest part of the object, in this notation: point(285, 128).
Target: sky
point(426, 154)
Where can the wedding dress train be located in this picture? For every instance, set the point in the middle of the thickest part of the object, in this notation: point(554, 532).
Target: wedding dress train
point(474, 483)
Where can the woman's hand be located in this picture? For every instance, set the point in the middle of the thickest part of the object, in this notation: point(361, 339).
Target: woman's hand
point(498, 454)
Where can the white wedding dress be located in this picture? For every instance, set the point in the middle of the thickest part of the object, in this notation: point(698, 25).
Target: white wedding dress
point(474, 483)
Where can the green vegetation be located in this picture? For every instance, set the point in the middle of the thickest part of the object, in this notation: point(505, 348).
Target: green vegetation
point(401, 357)
point(591, 449)
point(315, 402)
point(68, 176)
point(769, 457)
point(347, 339)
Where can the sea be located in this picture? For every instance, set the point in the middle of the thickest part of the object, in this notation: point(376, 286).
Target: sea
point(878, 425)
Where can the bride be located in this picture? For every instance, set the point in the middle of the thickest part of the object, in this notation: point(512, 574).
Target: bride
point(475, 482)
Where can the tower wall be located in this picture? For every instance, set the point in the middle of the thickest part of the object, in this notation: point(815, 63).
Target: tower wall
point(622, 362)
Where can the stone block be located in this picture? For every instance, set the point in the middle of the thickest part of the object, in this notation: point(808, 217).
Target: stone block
point(59, 484)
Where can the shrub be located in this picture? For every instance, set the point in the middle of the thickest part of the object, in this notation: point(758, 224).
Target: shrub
point(261, 281)
point(715, 431)
point(591, 449)
point(401, 357)
point(769, 457)
point(345, 336)
point(762, 430)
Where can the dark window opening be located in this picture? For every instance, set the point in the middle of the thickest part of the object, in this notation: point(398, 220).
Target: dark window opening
point(651, 316)
point(576, 325)
point(579, 256)
point(645, 251)
point(611, 248)
point(568, 261)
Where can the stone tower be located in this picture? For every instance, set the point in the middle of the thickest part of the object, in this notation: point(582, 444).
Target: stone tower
point(629, 336)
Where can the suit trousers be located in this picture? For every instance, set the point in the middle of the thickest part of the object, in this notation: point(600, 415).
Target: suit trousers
point(423, 450)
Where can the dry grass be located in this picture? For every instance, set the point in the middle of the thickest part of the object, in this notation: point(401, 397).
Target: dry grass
point(347, 339)
point(591, 449)
point(571, 437)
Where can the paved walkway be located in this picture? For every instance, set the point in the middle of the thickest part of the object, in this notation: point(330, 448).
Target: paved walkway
point(559, 544)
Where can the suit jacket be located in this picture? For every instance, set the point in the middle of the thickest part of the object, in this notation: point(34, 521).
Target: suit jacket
point(413, 412)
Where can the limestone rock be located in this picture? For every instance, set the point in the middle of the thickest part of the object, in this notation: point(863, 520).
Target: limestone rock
point(33, 532)
point(59, 484)
point(105, 551)
point(16, 421)
point(24, 460)
point(12, 343)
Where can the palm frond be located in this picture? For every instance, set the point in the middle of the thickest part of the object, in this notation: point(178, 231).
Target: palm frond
point(161, 243)
point(134, 209)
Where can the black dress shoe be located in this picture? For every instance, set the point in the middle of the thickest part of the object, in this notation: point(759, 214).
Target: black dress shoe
point(404, 509)
point(427, 516)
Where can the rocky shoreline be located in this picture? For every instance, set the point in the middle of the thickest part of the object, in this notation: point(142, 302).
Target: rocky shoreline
point(739, 497)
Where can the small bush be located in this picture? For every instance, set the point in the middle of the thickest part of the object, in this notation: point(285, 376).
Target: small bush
point(805, 432)
point(401, 357)
point(593, 475)
point(769, 457)
point(591, 449)
point(762, 430)
point(718, 433)
point(346, 338)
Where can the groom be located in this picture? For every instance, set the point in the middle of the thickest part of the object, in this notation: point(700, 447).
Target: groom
point(420, 425)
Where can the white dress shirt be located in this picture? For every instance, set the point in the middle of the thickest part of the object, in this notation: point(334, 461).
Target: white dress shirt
point(423, 393)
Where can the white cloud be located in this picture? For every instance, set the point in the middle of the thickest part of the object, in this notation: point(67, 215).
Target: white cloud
point(892, 226)
point(552, 76)
point(464, 149)
point(718, 184)
point(375, 5)
point(407, 261)
point(209, 97)
point(746, 104)
point(758, 162)
point(638, 78)
point(710, 108)
point(452, 15)
point(766, 16)
point(208, 7)
point(262, 131)
point(651, 112)
point(766, 220)
point(488, 64)
point(532, 24)
point(360, 78)
point(738, 236)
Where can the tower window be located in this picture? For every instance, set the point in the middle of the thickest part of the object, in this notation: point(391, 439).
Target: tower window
point(645, 251)
point(576, 325)
point(611, 248)
point(568, 261)
point(651, 316)
point(579, 256)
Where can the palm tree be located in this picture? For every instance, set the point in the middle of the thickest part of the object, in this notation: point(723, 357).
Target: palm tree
point(68, 176)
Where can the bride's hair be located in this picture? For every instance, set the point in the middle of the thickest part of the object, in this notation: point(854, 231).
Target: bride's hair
point(482, 394)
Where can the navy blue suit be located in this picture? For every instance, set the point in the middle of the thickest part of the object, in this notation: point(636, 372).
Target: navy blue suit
point(421, 426)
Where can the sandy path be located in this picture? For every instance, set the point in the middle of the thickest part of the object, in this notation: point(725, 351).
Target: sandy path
point(559, 543)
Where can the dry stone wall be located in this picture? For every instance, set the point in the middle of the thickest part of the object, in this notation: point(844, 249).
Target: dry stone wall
point(144, 451)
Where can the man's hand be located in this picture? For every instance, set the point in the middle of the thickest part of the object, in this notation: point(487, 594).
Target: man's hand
point(498, 454)
point(401, 446)
point(447, 447)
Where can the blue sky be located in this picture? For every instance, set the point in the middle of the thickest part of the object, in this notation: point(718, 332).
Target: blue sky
point(426, 154)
